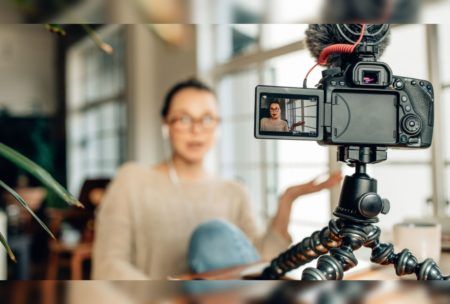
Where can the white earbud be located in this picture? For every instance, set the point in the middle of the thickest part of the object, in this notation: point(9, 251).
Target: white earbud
point(165, 131)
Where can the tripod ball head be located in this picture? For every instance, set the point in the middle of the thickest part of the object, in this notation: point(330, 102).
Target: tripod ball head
point(371, 204)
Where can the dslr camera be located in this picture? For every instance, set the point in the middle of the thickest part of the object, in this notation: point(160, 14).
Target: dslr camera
point(358, 101)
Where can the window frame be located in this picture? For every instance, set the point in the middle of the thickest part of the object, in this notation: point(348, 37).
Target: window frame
point(210, 68)
point(83, 105)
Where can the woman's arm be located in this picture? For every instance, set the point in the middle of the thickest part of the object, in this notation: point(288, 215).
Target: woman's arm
point(268, 242)
point(276, 237)
point(296, 124)
point(280, 221)
point(263, 124)
point(113, 246)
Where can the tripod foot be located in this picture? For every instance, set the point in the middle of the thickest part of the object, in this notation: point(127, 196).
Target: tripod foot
point(429, 270)
point(405, 262)
point(328, 268)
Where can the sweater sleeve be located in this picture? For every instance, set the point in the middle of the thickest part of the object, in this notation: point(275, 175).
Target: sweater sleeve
point(114, 243)
point(263, 124)
point(268, 242)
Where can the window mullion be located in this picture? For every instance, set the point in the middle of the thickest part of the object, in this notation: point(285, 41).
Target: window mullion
point(438, 171)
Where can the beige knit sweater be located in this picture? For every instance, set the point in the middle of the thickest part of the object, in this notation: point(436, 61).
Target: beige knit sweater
point(145, 222)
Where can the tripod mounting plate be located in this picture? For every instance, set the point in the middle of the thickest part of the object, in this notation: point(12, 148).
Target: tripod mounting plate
point(352, 155)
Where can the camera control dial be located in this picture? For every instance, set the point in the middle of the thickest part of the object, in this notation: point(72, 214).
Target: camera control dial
point(412, 124)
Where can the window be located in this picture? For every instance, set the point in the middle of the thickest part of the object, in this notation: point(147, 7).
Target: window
point(268, 167)
point(241, 155)
point(444, 46)
point(235, 40)
point(277, 35)
point(287, 11)
point(96, 109)
point(299, 161)
point(278, 57)
point(406, 169)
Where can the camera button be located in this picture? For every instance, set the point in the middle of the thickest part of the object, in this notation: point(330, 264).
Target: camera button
point(342, 83)
point(404, 139)
point(333, 83)
point(413, 82)
point(408, 108)
point(413, 141)
point(404, 98)
point(421, 83)
point(399, 85)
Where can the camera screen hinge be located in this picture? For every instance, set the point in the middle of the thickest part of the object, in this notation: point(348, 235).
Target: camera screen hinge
point(327, 114)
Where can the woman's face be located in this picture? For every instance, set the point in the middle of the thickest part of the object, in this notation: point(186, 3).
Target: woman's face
point(275, 111)
point(192, 121)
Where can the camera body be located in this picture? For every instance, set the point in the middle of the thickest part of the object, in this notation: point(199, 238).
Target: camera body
point(363, 104)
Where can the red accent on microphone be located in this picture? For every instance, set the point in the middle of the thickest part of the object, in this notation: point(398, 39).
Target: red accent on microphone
point(335, 48)
point(340, 48)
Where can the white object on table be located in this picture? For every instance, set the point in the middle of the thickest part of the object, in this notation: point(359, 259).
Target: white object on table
point(421, 238)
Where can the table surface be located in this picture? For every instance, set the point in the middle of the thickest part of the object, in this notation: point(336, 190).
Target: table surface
point(374, 272)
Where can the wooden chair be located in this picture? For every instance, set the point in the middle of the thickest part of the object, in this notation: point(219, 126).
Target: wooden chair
point(77, 255)
point(74, 256)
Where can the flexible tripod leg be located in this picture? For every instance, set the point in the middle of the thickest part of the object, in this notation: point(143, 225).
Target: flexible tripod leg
point(332, 267)
point(405, 262)
point(319, 243)
point(358, 208)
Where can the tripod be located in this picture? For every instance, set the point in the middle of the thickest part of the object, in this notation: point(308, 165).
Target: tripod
point(359, 205)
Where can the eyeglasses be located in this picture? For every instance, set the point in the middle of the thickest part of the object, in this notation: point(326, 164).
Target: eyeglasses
point(274, 109)
point(186, 122)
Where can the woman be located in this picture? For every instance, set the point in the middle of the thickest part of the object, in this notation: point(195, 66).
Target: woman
point(274, 123)
point(160, 221)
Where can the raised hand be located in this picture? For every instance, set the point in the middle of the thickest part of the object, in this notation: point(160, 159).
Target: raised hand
point(313, 186)
point(297, 124)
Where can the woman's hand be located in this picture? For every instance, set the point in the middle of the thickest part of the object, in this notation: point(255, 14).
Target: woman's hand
point(281, 220)
point(297, 124)
point(312, 186)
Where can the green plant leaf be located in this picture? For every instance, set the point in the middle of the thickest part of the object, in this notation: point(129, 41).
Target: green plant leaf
point(55, 28)
point(26, 206)
point(39, 173)
point(8, 249)
point(105, 47)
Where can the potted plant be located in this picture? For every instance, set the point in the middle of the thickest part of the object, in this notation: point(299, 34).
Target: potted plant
point(42, 176)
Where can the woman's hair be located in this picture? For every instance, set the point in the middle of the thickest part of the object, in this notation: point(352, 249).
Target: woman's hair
point(191, 83)
point(275, 102)
point(88, 186)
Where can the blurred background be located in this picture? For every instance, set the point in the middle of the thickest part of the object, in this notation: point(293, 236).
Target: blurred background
point(82, 100)
point(223, 11)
